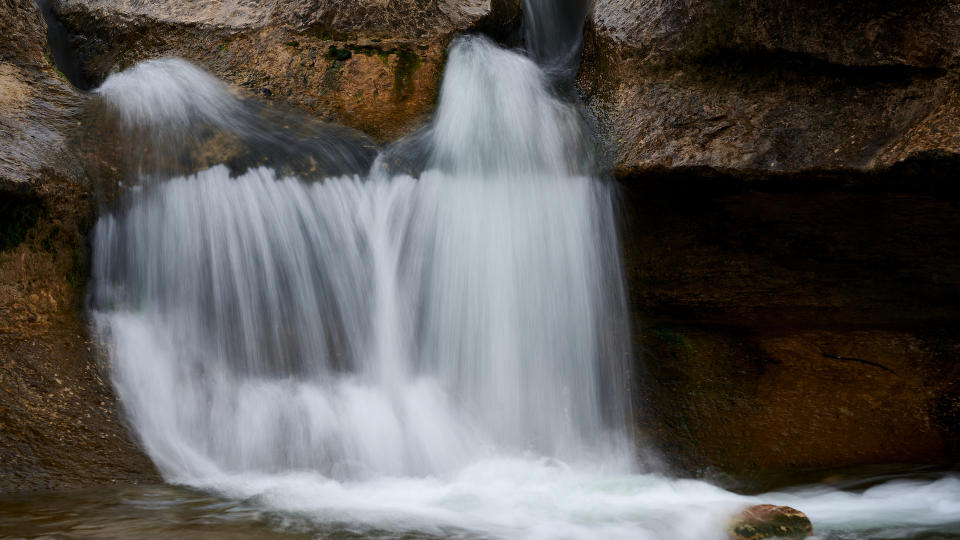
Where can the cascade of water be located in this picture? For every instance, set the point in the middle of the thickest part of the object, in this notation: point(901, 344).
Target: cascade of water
point(426, 354)
point(368, 326)
point(554, 33)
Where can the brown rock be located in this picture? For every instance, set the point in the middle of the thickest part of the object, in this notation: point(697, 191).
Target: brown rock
point(59, 424)
point(793, 324)
point(371, 65)
point(36, 105)
point(789, 222)
point(769, 521)
point(752, 85)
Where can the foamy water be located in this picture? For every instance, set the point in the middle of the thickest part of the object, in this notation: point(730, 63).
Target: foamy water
point(444, 355)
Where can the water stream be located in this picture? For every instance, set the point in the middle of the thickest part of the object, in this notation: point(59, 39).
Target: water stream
point(380, 354)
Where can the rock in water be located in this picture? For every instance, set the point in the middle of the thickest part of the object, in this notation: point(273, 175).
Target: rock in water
point(769, 521)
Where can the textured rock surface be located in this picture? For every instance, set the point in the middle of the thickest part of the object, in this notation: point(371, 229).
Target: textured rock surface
point(790, 221)
point(796, 322)
point(768, 521)
point(59, 425)
point(773, 86)
point(371, 65)
point(36, 106)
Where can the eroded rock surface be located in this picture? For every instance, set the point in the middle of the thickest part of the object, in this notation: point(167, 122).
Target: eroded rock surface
point(789, 224)
point(371, 65)
point(769, 521)
point(59, 423)
point(36, 106)
point(753, 85)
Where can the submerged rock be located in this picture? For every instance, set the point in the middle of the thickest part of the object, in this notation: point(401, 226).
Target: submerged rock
point(769, 521)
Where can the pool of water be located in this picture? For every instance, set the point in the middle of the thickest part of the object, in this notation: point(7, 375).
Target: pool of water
point(165, 511)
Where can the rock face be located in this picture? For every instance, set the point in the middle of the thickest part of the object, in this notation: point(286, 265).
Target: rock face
point(59, 424)
point(790, 219)
point(768, 521)
point(371, 65)
point(753, 85)
point(36, 105)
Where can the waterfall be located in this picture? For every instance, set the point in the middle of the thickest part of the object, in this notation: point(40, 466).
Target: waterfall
point(376, 354)
point(374, 324)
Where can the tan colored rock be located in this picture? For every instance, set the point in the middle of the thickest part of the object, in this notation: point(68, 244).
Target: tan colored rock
point(768, 521)
point(372, 65)
point(36, 105)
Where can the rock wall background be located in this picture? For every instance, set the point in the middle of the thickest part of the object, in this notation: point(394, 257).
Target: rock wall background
point(370, 65)
point(59, 422)
point(788, 172)
point(788, 197)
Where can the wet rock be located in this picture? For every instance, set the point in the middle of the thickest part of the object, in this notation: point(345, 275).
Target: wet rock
point(60, 426)
point(36, 104)
point(769, 521)
point(370, 65)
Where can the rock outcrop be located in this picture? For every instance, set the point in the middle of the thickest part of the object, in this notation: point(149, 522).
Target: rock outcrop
point(769, 521)
point(790, 225)
point(59, 424)
point(370, 65)
point(753, 85)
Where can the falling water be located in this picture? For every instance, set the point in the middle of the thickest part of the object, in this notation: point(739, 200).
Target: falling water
point(443, 354)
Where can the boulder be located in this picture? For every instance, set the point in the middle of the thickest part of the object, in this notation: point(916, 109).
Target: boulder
point(769, 521)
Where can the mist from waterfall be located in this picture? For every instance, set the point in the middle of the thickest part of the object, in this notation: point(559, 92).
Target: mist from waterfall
point(446, 354)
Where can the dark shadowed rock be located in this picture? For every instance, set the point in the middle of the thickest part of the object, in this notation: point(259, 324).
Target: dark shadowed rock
point(790, 225)
point(769, 521)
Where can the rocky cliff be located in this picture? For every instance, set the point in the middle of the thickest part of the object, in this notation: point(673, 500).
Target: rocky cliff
point(790, 224)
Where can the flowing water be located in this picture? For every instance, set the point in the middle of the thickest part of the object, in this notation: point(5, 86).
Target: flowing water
point(355, 352)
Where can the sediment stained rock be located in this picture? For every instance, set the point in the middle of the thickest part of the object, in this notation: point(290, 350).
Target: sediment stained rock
point(59, 423)
point(370, 65)
point(751, 85)
point(769, 521)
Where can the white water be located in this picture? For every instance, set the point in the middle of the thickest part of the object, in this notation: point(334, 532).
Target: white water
point(443, 355)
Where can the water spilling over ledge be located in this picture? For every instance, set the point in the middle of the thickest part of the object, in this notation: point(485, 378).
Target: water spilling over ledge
point(440, 355)
point(480, 305)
